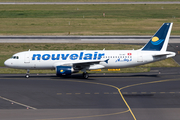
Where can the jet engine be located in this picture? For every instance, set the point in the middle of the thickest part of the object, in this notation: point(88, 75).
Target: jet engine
point(64, 70)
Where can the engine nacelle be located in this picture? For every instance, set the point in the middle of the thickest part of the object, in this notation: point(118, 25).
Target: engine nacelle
point(64, 70)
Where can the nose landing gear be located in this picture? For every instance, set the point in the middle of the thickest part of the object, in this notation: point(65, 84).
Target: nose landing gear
point(27, 74)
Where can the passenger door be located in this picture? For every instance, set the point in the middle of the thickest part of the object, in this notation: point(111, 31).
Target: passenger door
point(27, 58)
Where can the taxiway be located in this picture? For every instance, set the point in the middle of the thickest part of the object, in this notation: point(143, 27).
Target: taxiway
point(142, 96)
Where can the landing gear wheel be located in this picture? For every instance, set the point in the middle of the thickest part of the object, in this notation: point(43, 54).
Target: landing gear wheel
point(27, 76)
point(85, 75)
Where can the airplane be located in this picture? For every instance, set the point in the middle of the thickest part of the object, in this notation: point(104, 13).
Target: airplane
point(72, 61)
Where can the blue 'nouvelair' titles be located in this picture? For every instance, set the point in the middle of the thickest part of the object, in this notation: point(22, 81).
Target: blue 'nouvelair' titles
point(74, 56)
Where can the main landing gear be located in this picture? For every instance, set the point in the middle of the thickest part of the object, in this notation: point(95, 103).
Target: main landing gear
point(27, 74)
point(85, 75)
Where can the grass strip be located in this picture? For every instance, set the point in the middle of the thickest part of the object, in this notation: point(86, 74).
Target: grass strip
point(87, 19)
point(85, 0)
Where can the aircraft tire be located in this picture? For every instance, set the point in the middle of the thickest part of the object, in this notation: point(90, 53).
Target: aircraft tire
point(27, 76)
point(85, 75)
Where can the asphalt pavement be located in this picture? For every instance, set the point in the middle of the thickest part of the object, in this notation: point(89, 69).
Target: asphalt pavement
point(81, 39)
point(50, 97)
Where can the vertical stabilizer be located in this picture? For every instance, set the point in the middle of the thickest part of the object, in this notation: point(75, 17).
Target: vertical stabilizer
point(160, 39)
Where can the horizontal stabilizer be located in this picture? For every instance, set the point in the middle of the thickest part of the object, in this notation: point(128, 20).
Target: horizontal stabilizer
point(161, 54)
point(168, 54)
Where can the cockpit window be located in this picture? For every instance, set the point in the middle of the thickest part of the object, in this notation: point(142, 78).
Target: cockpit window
point(15, 57)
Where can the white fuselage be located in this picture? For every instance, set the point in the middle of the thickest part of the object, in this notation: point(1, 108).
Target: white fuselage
point(113, 58)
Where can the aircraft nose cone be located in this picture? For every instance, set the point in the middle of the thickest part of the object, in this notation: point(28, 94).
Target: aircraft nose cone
point(7, 63)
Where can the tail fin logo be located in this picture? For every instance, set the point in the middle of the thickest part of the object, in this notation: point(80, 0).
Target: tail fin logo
point(156, 41)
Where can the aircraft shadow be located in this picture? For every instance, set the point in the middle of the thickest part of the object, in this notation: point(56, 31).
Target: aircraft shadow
point(77, 76)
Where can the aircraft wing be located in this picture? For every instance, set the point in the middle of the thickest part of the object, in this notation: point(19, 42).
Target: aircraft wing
point(83, 64)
